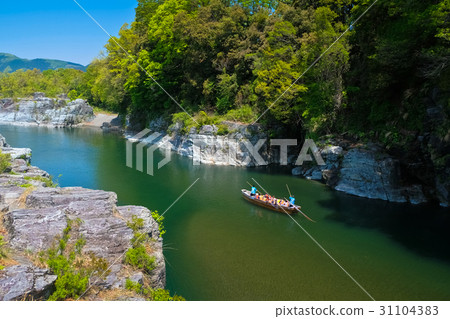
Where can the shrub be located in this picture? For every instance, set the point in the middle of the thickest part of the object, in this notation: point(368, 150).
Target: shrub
point(5, 161)
point(185, 120)
point(46, 180)
point(204, 119)
point(139, 258)
point(72, 267)
point(222, 129)
point(244, 114)
point(164, 295)
point(73, 95)
point(151, 294)
point(159, 219)
point(133, 286)
point(2, 250)
point(137, 255)
point(136, 223)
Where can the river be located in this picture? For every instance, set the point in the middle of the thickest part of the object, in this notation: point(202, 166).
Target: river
point(220, 247)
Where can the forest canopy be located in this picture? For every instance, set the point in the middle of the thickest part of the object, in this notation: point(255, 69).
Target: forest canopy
point(235, 59)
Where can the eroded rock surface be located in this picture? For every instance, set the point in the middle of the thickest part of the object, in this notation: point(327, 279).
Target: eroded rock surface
point(41, 110)
point(33, 216)
point(20, 282)
point(365, 171)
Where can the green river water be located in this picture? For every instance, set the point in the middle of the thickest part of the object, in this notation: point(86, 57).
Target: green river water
point(220, 247)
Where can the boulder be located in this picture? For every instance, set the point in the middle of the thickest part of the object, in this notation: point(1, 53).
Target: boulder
point(35, 218)
point(363, 175)
point(18, 153)
point(38, 95)
point(137, 277)
point(34, 229)
point(3, 142)
point(297, 171)
point(41, 110)
point(102, 224)
point(159, 124)
point(443, 189)
point(316, 175)
point(208, 129)
point(371, 173)
point(26, 282)
point(106, 125)
point(331, 176)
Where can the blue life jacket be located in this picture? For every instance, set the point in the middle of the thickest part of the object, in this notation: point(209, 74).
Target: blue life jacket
point(254, 190)
point(292, 200)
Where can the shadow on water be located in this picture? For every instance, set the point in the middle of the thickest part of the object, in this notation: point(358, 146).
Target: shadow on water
point(423, 228)
point(220, 247)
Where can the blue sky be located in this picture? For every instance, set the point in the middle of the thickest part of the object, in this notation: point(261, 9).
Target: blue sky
point(59, 29)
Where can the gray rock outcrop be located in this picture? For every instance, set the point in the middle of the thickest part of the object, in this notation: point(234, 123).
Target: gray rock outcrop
point(33, 216)
point(206, 147)
point(41, 110)
point(3, 142)
point(364, 171)
point(23, 153)
point(20, 282)
point(371, 174)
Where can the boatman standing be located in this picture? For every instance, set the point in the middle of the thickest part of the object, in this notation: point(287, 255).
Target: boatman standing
point(253, 192)
point(292, 200)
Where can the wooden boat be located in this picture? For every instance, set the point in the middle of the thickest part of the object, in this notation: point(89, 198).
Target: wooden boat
point(282, 209)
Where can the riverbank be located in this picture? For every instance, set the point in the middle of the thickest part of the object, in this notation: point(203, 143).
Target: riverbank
point(43, 111)
point(40, 110)
point(212, 231)
point(36, 215)
point(104, 121)
point(361, 169)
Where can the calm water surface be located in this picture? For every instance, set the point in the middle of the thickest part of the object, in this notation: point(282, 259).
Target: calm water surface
point(220, 247)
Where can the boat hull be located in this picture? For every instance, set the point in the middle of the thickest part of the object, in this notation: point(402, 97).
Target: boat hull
point(276, 208)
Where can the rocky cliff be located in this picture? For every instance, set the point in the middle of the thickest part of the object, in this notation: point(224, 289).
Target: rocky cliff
point(415, 170)
point(364, 170)
point(360, 169)
point(41, 110)
point(206, 147)
point(239, 147)
point(34, 214)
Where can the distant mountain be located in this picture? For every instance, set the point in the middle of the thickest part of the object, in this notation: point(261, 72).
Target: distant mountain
point(11, 63)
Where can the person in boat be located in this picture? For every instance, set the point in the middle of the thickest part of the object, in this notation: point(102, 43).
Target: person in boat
point(291, 201)
point(253, 192)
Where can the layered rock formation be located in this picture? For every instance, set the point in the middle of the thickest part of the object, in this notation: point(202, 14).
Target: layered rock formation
point(33, 215)
point(416, 171)
point(41, 110)
point(365, 171)
point(206, 147)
